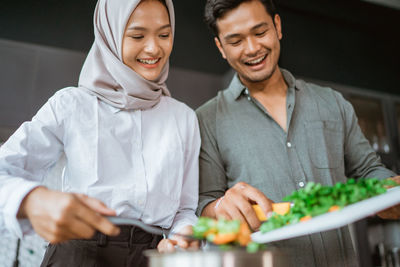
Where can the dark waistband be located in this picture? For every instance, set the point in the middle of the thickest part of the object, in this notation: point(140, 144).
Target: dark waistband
point(128, 233)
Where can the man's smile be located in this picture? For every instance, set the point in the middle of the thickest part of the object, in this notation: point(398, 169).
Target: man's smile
point(255, 61)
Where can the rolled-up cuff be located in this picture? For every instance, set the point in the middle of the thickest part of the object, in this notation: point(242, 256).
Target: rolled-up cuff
point(203, 203)
point(188, 219)
point(19, 227)
point(381, 174)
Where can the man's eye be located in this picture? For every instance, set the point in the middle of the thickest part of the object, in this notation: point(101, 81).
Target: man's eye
point(261, 33)
point(235, 42)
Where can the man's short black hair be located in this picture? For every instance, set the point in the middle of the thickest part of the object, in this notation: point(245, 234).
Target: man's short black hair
point(216, 9)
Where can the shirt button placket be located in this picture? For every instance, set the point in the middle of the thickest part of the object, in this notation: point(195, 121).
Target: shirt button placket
point(246, 92)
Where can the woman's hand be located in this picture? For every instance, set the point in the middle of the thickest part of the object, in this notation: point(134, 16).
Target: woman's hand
point(168, 245)
point(59, 217)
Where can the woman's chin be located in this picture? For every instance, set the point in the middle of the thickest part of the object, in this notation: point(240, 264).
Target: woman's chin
point(150, 74)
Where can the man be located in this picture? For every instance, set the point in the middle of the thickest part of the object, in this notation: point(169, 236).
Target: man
point(269, 134)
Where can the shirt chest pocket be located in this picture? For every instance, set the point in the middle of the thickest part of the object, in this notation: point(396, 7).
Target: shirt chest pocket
point(325, 143)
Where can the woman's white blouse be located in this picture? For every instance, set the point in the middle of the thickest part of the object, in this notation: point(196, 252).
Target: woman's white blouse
point(141, 163)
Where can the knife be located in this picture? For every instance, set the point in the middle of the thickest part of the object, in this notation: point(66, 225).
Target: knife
point(148, 228)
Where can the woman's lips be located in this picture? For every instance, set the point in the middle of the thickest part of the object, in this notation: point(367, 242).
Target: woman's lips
point(149, 63)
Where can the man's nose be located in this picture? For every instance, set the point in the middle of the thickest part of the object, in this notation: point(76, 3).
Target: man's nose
point(252, 46)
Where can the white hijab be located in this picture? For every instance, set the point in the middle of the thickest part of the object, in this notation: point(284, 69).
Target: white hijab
point(105, 75)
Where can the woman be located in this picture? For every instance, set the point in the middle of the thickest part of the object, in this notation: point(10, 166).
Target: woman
point(127, 144)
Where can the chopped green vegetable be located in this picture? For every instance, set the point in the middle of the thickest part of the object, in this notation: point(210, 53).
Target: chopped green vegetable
point(226, 226)
point(225, 233)
point(316, 199)
point(203, 225)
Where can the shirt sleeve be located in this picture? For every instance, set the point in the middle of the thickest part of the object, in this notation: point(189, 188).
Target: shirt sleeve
point(190, 187)
point(360, 158)
point(24, 160)
point(212, 176)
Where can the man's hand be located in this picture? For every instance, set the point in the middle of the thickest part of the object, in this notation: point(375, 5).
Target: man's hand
point(168, 245)
point(59, 217)
point(392, 213)
point(236, 204)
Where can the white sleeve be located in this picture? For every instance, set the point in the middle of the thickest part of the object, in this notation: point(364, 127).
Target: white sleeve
point(190, 187)
point(24, 160)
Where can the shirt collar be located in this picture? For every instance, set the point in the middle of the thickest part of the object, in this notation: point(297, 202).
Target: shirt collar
point(237, 88)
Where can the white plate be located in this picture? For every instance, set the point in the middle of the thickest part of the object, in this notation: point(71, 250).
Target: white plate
point(333, 220)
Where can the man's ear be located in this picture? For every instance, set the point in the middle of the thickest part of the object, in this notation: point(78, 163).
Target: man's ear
point(218, 44)
point(278, 26)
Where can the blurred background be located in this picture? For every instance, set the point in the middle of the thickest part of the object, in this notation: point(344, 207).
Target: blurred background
point(352, 46)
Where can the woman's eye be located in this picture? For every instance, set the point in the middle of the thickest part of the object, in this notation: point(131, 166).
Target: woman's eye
point(137, 37)
point(164, 35)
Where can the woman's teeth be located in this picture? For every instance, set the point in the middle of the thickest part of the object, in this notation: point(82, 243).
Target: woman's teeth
point(148, 61)
point(256, 61)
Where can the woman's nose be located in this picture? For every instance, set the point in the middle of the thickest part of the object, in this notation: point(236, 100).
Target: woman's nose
point(151, 46)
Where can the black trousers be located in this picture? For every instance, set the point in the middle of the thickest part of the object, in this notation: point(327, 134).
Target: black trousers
point(124, 250)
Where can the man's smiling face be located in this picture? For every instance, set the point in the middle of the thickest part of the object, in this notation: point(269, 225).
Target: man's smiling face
point(249, 40)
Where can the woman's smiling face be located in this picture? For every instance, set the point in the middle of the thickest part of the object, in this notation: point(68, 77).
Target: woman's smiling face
point(147, 41)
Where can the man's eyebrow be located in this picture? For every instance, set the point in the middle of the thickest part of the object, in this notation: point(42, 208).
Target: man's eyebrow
point(259, 25)
point(234, 35)
point(231, 36)
point(140, 28)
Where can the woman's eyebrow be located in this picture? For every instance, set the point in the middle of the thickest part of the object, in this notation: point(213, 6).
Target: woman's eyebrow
point(140, 28)
point(165, 26)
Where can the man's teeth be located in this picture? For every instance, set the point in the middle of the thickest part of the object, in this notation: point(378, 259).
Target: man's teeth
point(148, 61)
point(256, 61)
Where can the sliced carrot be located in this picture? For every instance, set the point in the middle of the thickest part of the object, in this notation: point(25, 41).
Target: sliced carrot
point(281, 208)
point(334, 208)
point(305, 218)
point(244, 234)
point(260, 214)
point(225, 238)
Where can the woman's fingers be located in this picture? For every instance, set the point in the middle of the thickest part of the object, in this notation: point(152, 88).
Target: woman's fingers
point(183, 242)
point(195, 244)
point(80, 229)
point(87, 214)
point(96, 205)
point(166, 245)
point(59, 217)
